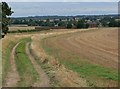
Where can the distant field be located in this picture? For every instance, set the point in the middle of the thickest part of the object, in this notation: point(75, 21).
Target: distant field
point(62, 58)
point(15, 28)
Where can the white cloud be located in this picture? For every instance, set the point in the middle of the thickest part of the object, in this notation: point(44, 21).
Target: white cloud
point(61, 0)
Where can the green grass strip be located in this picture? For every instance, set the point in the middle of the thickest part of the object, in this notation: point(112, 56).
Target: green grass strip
point(28, 74)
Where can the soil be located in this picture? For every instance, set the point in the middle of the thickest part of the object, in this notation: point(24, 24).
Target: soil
point(12, 76)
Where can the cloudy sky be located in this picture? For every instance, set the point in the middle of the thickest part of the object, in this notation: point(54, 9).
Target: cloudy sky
point(63, 8)
point(61, 0)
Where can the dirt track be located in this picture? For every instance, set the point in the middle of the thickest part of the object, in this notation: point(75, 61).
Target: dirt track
point(13, 76)
point(44, 80)
point(96, 46)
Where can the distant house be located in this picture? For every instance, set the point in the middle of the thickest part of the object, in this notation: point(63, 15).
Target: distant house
point(92, 24)
point(56, 25)
point(57, 19)
point(64, 20)
point(77, 19)
point(51, 20)
point(117, 19)
point(44, 20)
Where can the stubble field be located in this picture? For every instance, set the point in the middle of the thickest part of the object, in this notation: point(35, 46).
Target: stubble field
point(76, 58)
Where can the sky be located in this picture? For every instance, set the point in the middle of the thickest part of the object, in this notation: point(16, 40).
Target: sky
point(61, 0)
point(24, 9)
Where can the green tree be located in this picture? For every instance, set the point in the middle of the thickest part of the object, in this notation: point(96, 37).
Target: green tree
point(5, 12)
point(62, 24)
point(69, 25)
point(86, 25)
point(80, 24)
point(113, 23)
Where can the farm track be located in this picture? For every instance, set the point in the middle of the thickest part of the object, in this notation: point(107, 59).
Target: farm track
point(99, 47)
point(12, 76)
point(44, 80)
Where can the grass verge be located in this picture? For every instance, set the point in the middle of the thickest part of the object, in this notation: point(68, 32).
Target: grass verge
point(28, 74)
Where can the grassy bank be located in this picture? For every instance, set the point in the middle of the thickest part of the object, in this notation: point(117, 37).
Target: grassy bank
point(28, 74)
point(93, 73)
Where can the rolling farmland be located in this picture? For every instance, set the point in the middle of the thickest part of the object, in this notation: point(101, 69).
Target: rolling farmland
point(65, 58)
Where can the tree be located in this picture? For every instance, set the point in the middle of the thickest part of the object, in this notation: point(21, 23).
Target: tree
point(86, 25)
point(5, 12)
point(69, 25)
point(62, 24)
point(80, 24)
point(114, 23)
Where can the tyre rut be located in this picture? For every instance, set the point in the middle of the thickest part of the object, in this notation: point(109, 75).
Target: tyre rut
point(44, 80)
point(12, 76)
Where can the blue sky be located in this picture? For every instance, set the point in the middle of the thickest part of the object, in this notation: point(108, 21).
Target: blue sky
point(63, 8)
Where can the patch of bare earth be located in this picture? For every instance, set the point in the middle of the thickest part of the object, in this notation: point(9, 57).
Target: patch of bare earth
point(12, 76)
point(44, 80)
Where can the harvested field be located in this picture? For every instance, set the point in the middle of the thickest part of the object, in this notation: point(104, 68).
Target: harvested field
point(15, 28)
point(63, 58)
point(92, 53)
point(98, 46)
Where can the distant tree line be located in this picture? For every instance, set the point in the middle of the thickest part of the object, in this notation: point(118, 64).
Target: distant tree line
point(70, 22)
point(110, 22)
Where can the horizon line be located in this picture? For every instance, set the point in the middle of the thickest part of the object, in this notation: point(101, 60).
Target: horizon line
point(65, 15)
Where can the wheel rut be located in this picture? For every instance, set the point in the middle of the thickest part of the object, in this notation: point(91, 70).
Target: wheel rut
point(44, 80)
point(12, 76)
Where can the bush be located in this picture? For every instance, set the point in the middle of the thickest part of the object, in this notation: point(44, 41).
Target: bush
point(69, 25)
point(82, 24)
